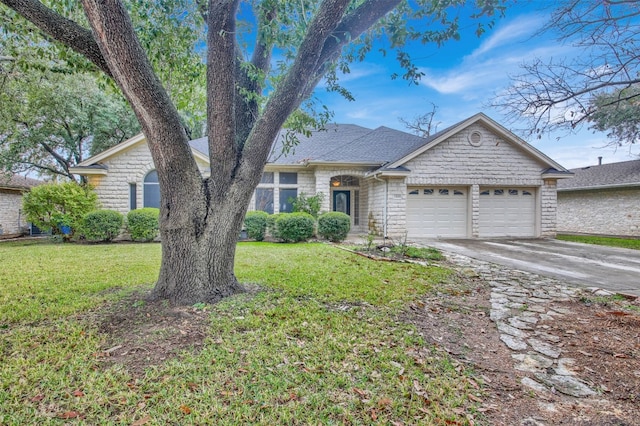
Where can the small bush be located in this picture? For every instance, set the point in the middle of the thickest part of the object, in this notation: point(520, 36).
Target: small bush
point(59, 207)
point(294, 227)
point(255, 223)
point(143, 223)
point(101, 225)
point(334, 226)
point(272, 228)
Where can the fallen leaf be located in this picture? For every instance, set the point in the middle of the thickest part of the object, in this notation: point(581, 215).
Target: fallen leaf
point(474, 398)
point(37, 398)
point(384, 402)
point(142, 421)
point(618, 313)
point(185, 409)
point(359, 392)
point(78, 393)
point(374, 415)
point(621, 356)
point(68, 415)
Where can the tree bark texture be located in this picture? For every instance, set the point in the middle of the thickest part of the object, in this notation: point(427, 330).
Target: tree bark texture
point(201, 218)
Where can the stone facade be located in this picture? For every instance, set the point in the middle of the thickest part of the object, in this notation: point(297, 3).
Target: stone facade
point(476, 156)
point(11, 218)
point(490, 162)
point(602, 212)
point(128, 167)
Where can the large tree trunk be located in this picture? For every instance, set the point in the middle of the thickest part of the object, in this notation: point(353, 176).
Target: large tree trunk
point(198, 267)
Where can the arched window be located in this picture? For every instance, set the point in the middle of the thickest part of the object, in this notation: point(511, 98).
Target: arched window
point(151, 190)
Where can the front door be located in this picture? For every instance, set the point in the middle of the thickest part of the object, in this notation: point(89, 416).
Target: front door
point(342, 202)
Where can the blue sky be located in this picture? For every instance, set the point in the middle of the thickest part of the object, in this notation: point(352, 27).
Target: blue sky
point(460, 78)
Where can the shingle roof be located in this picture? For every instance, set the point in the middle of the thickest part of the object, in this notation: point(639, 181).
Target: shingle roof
point(626, 173)
point(18, 182)
point(348, 143)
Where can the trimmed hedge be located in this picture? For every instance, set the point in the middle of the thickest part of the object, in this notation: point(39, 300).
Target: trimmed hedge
point(272, 229)
point(255, 222)
point(143, 224)
point(101, 225)
point(334, 226)
point(294, 227)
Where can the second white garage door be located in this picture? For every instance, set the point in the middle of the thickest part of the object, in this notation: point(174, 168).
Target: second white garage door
point(434, 212)
point(507, 212)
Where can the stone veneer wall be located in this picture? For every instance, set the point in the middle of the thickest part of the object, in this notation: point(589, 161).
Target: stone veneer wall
point(604, 212)
point(130, 166)
point(10, 205)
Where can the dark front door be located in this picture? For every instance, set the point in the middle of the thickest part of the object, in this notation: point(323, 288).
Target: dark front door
point(342, 202)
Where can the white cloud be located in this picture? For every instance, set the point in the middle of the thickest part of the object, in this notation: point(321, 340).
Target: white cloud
point(517, 30)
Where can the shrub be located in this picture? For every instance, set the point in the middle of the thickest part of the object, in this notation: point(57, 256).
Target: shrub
point(101, 225)
point(143, 223)
point(272, 228)
point(334, 226)
point(255, 223)
point(308, 204)
point(59, 207)
point(294, 227)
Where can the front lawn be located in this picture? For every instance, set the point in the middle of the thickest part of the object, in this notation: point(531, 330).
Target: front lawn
point(321, 342)
point(629, 243)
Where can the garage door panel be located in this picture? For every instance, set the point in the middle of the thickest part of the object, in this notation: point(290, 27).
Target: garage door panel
point(437, 212)
point(507, 212)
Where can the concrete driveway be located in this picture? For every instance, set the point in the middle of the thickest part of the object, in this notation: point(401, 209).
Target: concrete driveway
point(586, 265)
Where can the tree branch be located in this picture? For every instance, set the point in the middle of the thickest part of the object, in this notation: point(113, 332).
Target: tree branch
point(61, 29)
point(221, 86)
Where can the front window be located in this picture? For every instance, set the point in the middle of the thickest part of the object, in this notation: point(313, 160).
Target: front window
point(264, 200)
point(151, 190)
point(287, 196)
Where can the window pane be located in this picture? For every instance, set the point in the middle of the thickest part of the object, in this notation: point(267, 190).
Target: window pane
point(486, 192)
point(414, 192)
point(287, 196)
point(288, 178)
point(151, 177)
point(264, 200)
point(513, 192)
point(151, 195)
point(428, 191)
point(457, 192)
point(267, 177)
point(526, 193)
point(133, 202)
point(498, 192)
point(443, 191)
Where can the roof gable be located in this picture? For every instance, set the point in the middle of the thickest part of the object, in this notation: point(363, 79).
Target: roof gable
point(443, 135)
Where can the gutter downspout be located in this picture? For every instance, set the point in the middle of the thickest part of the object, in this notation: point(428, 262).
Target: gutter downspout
point(385, 207)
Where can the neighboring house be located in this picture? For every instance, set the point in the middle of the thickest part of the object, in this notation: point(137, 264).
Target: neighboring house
point(12, 221)
point(602, 199)
point(473, 179)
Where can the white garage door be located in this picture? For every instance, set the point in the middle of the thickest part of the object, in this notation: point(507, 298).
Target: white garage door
point(434, 212)
point(507, 212)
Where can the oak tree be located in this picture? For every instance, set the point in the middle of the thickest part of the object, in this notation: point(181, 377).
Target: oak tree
point(263, 60)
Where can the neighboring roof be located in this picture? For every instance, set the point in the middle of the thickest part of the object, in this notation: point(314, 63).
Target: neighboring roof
point(18, 182)
point(613, 175)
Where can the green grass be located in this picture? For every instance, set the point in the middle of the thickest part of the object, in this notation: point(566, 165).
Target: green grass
point(323, 344)
point(629, 243)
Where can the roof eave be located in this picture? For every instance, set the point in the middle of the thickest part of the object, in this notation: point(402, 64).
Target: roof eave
point(89, 171)
point(594, 187)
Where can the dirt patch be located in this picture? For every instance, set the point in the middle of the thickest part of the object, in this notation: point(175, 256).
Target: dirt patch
point(142, 332)
point(603, 340)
